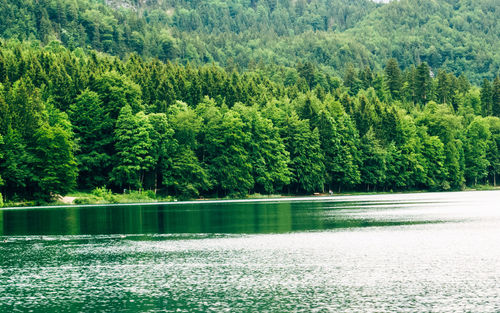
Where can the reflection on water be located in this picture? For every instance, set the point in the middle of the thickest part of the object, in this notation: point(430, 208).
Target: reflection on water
point(398, 253)
point(237, 217)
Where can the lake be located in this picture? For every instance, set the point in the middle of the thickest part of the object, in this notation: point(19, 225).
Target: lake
point(428, 252)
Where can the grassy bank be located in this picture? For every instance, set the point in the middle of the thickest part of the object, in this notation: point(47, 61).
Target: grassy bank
point(106, 196)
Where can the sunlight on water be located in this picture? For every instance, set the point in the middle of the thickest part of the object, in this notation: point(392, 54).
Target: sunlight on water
point(390, 253)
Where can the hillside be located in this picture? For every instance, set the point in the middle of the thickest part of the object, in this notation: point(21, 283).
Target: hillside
point(458, 35)
point(272, 116)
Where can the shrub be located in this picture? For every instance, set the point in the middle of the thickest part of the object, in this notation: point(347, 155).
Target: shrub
point(102, 192)
point(82, 201)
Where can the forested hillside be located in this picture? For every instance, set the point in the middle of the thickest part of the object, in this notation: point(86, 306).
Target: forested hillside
point(460, 36)
point(227, 98)
point(70, 119)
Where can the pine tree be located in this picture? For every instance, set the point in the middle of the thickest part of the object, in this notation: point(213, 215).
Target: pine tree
point(226, 156)
point(373, 156)
point(478, 135)
point(306, 158)
point(422, 83)
point(486, 97)
point(496, 97)
point(266, 151)
point(92, 126)
point(15, 166)
point(393, 78)
point(351, 80)
point(133, 149)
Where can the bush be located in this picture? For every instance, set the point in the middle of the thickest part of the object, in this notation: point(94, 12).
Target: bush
point(150, 194)
point(136, 195)
point(112, 199)
point(102, 192)
point(82, 201)
point(1, 200)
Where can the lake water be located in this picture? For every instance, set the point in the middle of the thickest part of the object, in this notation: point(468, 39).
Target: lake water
point(432, 252)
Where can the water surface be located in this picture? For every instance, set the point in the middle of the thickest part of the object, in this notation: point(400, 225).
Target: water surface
point(434, 252)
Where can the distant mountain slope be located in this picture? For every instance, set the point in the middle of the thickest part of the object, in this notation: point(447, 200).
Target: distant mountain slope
point(459, 35)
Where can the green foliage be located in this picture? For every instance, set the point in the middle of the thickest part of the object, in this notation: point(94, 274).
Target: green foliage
point(101, 192)
point(91, 126)
point(268, 157)
point(54, 164)
point(1, 156)
point(477, 137)
point(374, 157)
point(492, 154)
point(460, 36)
point(133, 149)
point(393, 78)
point(226, 156)
point(496, 97)
point(306, 158)
point(71, 119)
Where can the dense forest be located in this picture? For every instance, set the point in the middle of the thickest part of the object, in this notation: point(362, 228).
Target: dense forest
point(228, 98)
point(76, 119)
point(459, 36)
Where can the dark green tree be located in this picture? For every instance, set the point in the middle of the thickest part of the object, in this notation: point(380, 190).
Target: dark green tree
point(422, 83)
point(133, 149)
point(476, 147)
point(393, 78)
point(496, 97)
point(486, 97)
point(267, 152)
point(226, 156)
point(373, 156)
point(91, 126)
point(306, 159)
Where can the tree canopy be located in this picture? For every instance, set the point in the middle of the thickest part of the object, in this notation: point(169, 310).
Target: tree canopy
point(71, 119)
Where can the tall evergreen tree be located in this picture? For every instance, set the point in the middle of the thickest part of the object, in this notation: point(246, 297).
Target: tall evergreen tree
point(227, 159)
point(478, 135)
point(486, 97)
point(267, 152)
point(496, 97)
point(393, 78)
point(91, 124)
point(133, 147)
point(306, 158)
point(374, 163)
point(422, 83)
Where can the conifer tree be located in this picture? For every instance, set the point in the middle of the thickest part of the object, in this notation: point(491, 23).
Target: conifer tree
point(306, 158)
point(91, 127)
point(422, 83)
point(478, 134)
point(393, 78)
point(486, 97)
point(496, 97)
point(133, 149)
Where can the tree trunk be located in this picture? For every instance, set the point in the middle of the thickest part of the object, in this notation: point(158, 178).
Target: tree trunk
point(156, 180)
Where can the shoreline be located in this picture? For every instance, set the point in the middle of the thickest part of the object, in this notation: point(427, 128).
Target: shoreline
point(263, 198)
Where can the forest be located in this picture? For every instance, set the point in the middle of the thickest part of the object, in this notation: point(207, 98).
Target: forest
point(459, 36)
point(214, 98)
point(75, 119)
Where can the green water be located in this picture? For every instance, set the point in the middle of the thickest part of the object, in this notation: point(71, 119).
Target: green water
point(436, 252)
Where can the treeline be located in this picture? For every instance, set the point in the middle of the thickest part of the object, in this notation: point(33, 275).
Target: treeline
point(459, 36)
point(75, 120)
